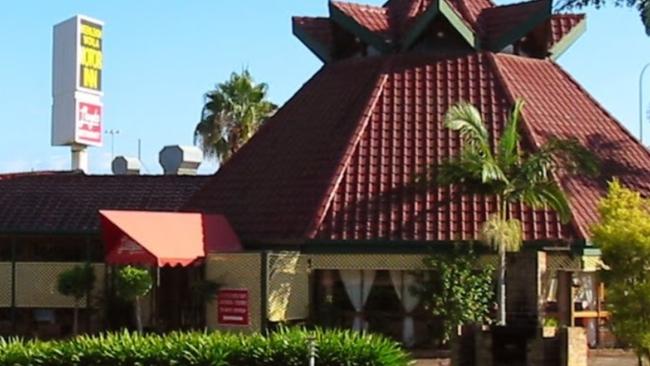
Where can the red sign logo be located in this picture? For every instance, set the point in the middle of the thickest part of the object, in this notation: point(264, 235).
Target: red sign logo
point(89, 123)
point(232, 306)
point(129, 247)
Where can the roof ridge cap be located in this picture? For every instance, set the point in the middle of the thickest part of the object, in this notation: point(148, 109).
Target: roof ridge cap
point(514, 4)
point(344, 159)
point(599, 106)
point(361, 5)
point(41, 173)
point(492, 59)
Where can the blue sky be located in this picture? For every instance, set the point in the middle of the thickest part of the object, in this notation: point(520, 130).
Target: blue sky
point(160, 57)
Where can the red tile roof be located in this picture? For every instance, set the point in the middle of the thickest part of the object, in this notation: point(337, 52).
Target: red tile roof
point(499, 20)
point(46, 202)
point(337, 162)
point(404, 136)
point(559, 107)
point(562, 24)
point(373, 18)
point(402, 13)
point(403, 23)
point(318, 28)
point(274, 185)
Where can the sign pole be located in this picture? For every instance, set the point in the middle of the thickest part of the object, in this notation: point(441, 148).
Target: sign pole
point(79, 159)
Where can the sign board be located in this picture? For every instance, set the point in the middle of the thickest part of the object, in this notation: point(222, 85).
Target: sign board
point(90, 55)
point(89, 123)
point(77, 67)
point(232, 306)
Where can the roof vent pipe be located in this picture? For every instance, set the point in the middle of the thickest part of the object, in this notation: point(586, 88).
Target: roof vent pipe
point(124, 165)
point(180, 160)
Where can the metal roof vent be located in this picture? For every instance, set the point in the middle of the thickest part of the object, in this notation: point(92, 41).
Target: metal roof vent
point(180, 160)
point(124, 165)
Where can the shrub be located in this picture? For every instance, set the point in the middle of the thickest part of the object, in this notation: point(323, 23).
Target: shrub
point(287, 347)
point(456, 290)
point(132, 284)
point(76, 282)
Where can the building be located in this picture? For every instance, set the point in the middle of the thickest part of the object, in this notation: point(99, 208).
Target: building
point(330, 177)
point(49, 222)
point(322, 197)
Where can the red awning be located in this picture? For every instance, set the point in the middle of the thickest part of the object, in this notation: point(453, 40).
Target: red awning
point(164, 238)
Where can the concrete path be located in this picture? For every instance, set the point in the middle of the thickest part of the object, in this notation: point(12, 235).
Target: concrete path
point(615, 357)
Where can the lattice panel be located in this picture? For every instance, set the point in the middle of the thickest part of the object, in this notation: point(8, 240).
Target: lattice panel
point(288, 287)
point(236, 270)
point(367, 261)
point(557, 261)
point(36, 284)
point(379, 261)
point(5, 284)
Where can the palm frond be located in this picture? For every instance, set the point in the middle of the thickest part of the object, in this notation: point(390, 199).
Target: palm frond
point(548, 194)
point(508, 153)
point(476, 154)
point(466, 119)
point(502, 235)
point(568, 155)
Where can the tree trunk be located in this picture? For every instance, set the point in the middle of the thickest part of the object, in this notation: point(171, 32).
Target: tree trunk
point(75, 318)
point(138, 317)
point(501, 288)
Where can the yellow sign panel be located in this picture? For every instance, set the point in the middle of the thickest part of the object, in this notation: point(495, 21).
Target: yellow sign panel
point(90, 56)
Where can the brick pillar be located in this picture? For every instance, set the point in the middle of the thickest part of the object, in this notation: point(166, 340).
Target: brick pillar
point(573, 347)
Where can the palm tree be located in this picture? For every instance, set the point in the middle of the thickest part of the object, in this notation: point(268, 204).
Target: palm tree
point(510, 174)
point(231, 114)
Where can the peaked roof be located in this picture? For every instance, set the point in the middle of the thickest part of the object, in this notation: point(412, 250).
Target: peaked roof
point(337, 162)
point(46, 202)
point(403, 24)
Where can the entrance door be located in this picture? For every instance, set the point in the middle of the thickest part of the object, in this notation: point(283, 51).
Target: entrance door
point(173, 298)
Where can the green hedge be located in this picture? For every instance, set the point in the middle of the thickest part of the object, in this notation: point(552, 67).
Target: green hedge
point(287, 347)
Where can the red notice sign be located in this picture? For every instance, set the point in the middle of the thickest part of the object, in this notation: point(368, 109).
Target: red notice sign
point(232, 306)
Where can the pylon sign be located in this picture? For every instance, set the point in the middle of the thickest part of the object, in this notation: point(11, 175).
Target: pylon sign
point(77, 67)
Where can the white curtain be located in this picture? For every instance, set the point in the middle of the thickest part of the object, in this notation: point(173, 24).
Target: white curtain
point(587, 297)
point(403, 282)
point(357, 285)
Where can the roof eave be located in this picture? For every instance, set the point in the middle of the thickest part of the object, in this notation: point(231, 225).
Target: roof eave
point(459, 24)
point(317, 48)
point(420, 25)
point(456, 21)
point(567, 41)
point(351, 25)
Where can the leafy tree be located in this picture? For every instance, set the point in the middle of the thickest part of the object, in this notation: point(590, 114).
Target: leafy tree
point(456, 289)
point(643, 6)
point(510, 174)
point(232, 113)
point(132, 284)
point(76, 282)
point(623, 235)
